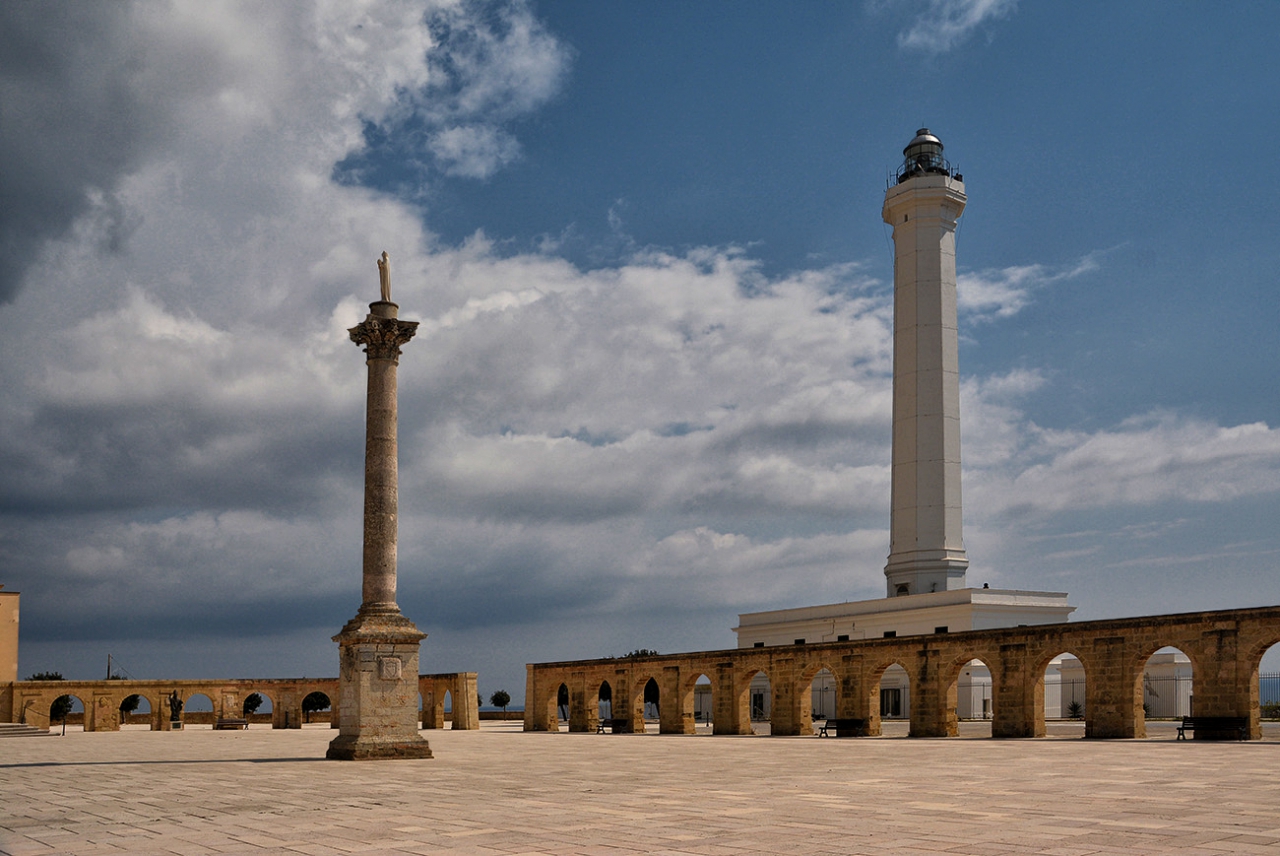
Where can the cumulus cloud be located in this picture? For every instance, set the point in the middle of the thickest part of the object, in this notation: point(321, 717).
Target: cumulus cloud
point(473, 152)
point(1003, 292)
point(97, 94)
point(1145, 460)
point(488, 63)
point(947, 23)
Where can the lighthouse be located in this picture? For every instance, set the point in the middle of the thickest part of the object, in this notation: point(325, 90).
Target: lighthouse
point(922, 204)
point(925, 574)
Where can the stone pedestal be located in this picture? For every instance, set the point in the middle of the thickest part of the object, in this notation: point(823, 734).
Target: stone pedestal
point(378, 689)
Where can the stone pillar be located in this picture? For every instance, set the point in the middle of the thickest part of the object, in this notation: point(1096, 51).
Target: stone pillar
point(1013, 694)
point(538, 713)
point(1113, 691)
point(671, 718)
point(933, 696)
point(467, 716)
point(784, 707)
point(926, 549)
point(580, 718)
point(378, 648)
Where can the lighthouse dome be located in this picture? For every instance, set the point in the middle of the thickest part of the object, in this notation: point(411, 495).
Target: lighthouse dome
point(923, 155)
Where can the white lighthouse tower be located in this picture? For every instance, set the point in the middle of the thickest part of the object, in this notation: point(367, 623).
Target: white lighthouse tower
point(926, 548)
point(927, 562)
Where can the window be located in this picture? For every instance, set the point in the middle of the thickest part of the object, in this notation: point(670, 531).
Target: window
point(942, 629)
point(799, 642)
point(843, 637)
point(903, 588)
point(758, 645)
point(891, 634)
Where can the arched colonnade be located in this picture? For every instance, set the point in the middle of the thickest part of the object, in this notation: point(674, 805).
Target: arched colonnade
point(1225, 649)
point(29, 701)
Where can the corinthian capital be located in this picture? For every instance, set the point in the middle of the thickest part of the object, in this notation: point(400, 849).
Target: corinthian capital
point(382, 337)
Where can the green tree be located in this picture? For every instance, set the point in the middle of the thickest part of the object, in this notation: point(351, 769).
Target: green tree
point(62, 704)
point(128, 706)
point(313, 703)
point(251, 704)
point(501, 699)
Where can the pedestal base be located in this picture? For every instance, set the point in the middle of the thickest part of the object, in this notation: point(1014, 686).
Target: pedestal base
point(368, 749)
point(378, 689)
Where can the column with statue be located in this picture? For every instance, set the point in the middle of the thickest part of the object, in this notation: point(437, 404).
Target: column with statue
point(378, 648)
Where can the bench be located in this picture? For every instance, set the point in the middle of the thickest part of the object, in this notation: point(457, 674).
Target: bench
point(617, 726)
point(1215, 727)
point(230, 722)
point(843, 727)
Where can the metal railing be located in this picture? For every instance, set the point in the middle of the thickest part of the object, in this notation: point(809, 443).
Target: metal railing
point(925, 164)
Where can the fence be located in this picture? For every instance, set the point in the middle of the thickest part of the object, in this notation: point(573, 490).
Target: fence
point(1167, 697)
point(1269, 695)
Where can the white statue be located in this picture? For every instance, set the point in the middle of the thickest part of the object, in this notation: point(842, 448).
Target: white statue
point(384, 276)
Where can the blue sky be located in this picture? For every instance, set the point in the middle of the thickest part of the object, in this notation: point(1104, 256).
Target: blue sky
point(650, 390)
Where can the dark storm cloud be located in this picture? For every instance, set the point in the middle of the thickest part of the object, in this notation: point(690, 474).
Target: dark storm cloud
point(71, 121)
point(78, 459)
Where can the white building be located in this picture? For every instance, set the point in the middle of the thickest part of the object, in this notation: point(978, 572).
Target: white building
point(950, 611)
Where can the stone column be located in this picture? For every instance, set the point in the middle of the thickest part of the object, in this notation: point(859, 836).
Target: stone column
point(378, 649)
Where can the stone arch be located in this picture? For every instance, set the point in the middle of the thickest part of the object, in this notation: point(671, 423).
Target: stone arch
point(1161, 688)
point(268, 702)
point(651, 698)
point(1263, 692)
point(751, 698)
point(896, 704)
point(604, 700)
point(315, 700)
point(563, 703)
point(975, 699)
point(808, 690)
point(190, 702)
point(633, 693)
point(1068, 700)
point(136, 716)
point(697, 702)
point(76, 708)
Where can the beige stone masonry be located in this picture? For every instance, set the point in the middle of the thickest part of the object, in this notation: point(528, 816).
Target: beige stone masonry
point(1225, 649)
point(29, 701)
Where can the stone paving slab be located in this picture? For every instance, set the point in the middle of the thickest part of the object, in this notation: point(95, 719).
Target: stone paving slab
point(501, 792)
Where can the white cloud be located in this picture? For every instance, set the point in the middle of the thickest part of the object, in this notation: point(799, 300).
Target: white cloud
point(473, 152)
point(1003, 292)
point(947, 23)
point(1145, 460)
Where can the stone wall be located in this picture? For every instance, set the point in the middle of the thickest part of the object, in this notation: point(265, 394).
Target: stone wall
point(29, 701)
point(1225, 649)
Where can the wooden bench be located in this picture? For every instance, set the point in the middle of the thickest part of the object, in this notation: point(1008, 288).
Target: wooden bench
point(1215, 727)
point(230, 722)
point(617, 726)
point(843, 727)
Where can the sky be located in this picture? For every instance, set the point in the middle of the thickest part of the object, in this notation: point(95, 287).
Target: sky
point(650, 389)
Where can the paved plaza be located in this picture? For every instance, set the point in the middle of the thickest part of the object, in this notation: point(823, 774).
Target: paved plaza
point(501, 792)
